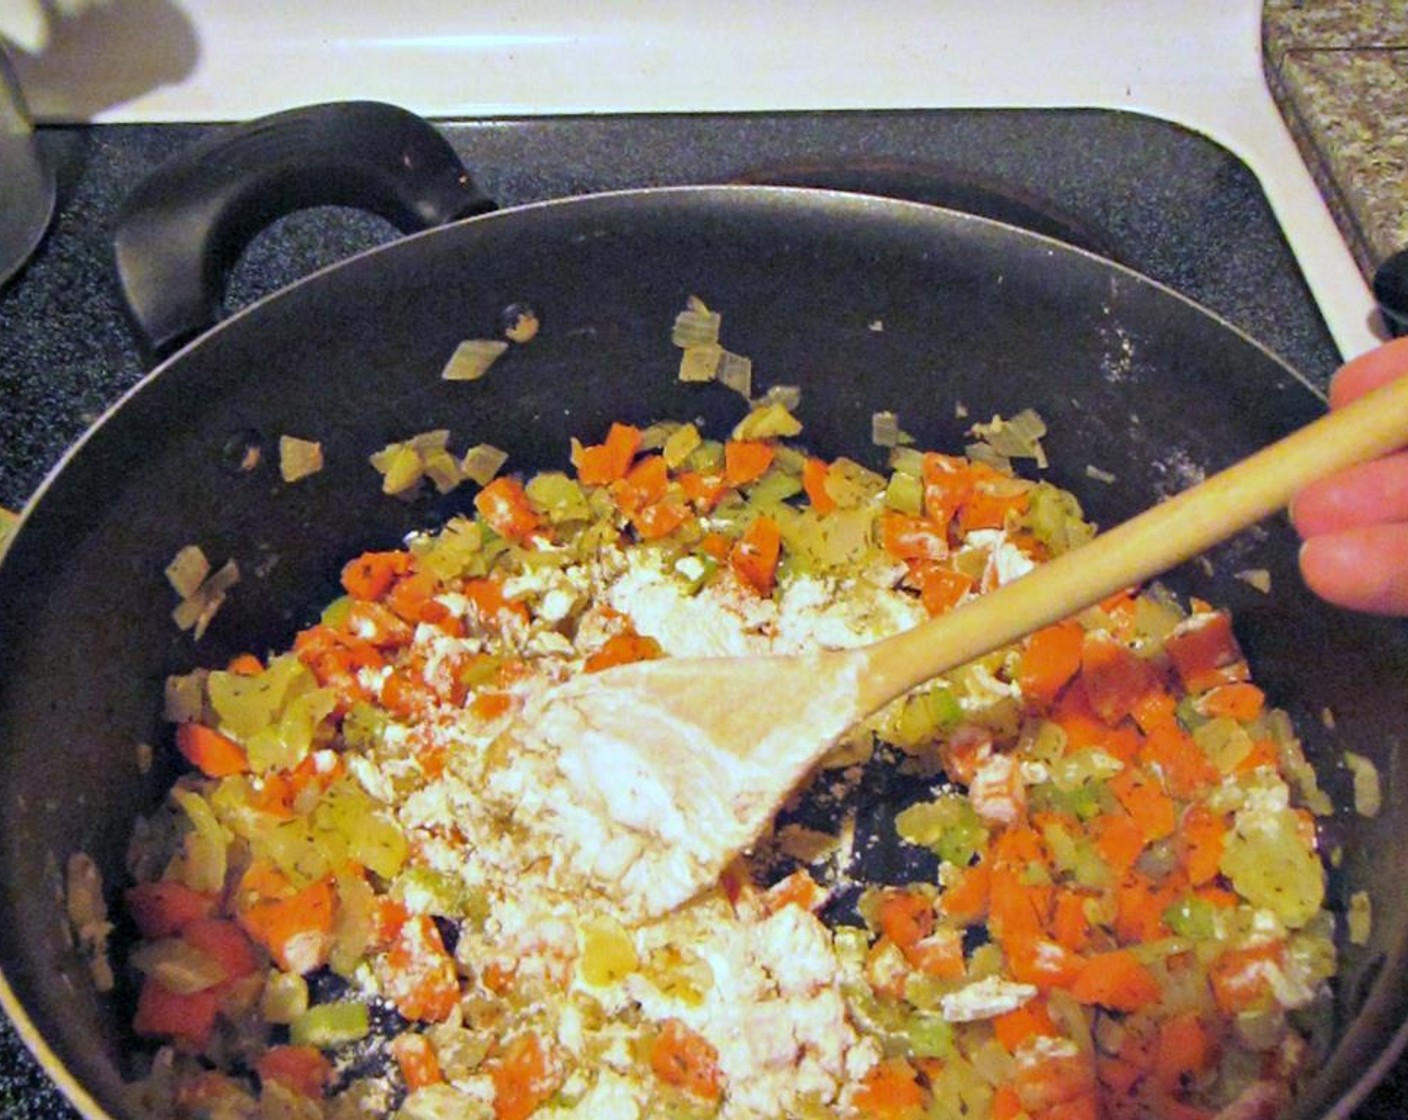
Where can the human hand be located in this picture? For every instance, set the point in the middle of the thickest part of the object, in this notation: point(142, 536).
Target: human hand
point(1354, 524)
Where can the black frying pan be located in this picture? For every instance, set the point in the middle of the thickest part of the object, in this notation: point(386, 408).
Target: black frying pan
point(866, 304)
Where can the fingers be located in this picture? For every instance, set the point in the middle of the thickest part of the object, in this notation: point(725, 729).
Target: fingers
point(1368, 494)
point(1361, 568)
point(1369, 371)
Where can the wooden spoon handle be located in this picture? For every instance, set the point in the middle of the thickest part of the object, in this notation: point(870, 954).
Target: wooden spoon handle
point(1156, 540)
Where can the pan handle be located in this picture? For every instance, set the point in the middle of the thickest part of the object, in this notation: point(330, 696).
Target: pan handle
point(185, 225)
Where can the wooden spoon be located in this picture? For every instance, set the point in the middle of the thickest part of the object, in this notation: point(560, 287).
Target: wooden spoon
point(686, 761)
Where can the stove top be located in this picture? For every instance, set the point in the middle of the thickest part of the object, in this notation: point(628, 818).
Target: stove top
point(1151, 140)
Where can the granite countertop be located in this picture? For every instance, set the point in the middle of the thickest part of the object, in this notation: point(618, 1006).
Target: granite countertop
point(1339, 71)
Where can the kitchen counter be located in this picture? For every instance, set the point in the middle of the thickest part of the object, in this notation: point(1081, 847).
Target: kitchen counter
point(1339, 71)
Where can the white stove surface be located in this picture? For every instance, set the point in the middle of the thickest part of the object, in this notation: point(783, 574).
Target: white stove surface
point(1195, 62)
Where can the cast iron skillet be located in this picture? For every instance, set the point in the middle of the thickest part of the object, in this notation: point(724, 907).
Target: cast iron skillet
point(866, 304)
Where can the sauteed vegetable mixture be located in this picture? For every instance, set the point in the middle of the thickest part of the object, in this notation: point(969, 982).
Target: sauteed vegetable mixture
point(1122, 916)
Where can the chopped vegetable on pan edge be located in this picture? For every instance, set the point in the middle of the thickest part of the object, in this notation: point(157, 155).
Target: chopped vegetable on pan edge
point(341, 913)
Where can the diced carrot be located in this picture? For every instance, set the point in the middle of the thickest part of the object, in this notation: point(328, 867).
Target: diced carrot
point(1051, 658)
point(412, 598)
point(1241, 978)
point(165, 907)
point(1140, 903)
point(1118, 1077)
point(938, 954)
point(890, 1091)
point(966, 900)
point(990, 505)
point(1201, 835)
point(645, 483)
point(716, 545)
point(623, 649)
point(1240, 700)
point(371, 574)
point(1016, 908)
point(746, 460)
point(418, 975)
point(608, 461)
point(487, 596)
point(1264, 752)
point(942, 588)
point(377, 624)
point(1152, 809)
point(491, 705)
point(814, 472)
point(1012, 1028)
point(1114, 677)
point(297, 930)
point(755, 554)
point(1085, 1107)
point(912, 538)
point(1185, 770)
point(416, 1059)
point(404, 693)
point(1157, 711)
point(213, 754)
point(702, 490)
point(687, 1060)
point(524, 1077)
point(660, 519)
point(797, 889)
point(1118, 981)
point(505, 509)
point(1006, 1104)
point(1185, 1050)
point(245, 665)
point(1118, 840)
point(1055, 1081)
point(1204, 651)
point(1041, 961)
point(224, 943)
point(905, 917)
point(188, 1019)
point(1069, 923)
point(948, 482)
point(303, 1069)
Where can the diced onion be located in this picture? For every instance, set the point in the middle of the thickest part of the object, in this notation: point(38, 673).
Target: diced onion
point(472, 359)
point(298, 458)
point(482, 462)
point(696, 325)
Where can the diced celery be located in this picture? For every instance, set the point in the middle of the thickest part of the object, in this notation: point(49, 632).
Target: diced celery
point(775, 486)
point(707, 458)
point(1193, 917)
point(929, 1035)
point(285, 997)
point(328, 1025)
point(923, 715)
point(948, 826)
point(558, 497)
point(1055, 518)
point(905, 494)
